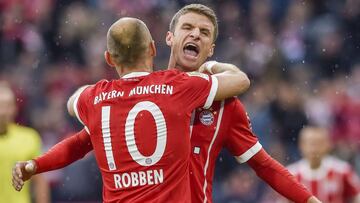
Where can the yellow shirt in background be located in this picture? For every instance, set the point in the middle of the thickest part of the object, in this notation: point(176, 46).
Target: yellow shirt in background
point(18, 144)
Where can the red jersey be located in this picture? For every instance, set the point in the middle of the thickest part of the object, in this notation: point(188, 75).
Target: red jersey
point(333, 182)
point(139, 129)
point(224, 125)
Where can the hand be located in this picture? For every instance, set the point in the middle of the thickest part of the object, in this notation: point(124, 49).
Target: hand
point(22, 171)
point(207, 67)
point(203, 69)
point(313, 199)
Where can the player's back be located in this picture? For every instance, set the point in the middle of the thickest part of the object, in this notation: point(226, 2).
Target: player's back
point(139, 128)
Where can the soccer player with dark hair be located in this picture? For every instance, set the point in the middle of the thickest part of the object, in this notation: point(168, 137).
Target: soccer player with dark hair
point(225, 124)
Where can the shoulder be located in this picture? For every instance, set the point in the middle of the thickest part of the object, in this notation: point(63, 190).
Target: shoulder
point(337, 164)
point(234, 102)
point(102, 84)
point(229, 104)
point(175, 72)
point(23, 129)
point(169, 73)
point(235, 107)
point(25, 133)
point(166, 75)
point(95, 88)
point(181, 78)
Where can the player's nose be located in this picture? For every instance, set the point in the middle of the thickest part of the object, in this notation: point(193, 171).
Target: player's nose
point(195, 33)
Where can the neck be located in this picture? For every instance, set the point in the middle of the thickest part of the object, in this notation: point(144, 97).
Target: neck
point(177, 67)
point(131, 70)
point(174, 65)
point(143, 67)
point(315, 164)
point(172, 62)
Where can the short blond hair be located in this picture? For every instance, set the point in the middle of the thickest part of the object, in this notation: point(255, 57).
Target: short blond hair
point(127, 41)
point(199, 9)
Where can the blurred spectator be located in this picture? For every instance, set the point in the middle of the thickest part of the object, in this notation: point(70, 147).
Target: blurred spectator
point(17, 143)
point(241, 186)
point(288, 118)
point(327, 177)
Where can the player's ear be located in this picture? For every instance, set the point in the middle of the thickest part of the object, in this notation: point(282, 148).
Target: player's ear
point(152, 48)
point(211, 52)
point(169, 38)
point(108, 59)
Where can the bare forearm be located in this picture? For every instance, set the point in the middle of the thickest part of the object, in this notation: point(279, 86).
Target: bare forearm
point(231, 80)
point(231, 85)
point(224, 68)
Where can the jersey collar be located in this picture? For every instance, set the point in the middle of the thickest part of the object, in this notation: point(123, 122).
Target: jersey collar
point(135, 74)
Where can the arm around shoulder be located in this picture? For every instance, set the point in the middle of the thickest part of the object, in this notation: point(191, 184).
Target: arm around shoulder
point(231, 80)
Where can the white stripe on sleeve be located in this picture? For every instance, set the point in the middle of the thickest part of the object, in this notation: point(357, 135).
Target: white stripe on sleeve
point(212, 93)
point(249, 153)
point(76, 110)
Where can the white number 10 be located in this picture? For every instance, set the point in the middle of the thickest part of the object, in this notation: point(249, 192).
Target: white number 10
point(130, 134)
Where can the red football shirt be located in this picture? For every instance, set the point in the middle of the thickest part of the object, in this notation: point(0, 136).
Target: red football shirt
point(224, 125)
point(139, 129)
point(333, 182)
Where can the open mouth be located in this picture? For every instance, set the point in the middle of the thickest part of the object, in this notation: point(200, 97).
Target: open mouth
point(191, 49)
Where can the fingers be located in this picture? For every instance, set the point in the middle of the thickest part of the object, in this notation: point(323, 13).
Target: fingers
point(21, 172)
point(17, 182)
point(17, 185)
point(17, 169)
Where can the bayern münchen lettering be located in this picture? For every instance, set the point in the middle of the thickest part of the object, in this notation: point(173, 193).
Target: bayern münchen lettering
point(152, 89)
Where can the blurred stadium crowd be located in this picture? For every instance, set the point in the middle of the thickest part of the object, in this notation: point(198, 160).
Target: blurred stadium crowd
point(302, 57)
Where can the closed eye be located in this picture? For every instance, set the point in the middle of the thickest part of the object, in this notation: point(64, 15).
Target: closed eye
point(186, 27)
point(205, 32)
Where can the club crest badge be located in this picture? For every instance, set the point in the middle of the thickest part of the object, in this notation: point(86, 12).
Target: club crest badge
point(206, 117)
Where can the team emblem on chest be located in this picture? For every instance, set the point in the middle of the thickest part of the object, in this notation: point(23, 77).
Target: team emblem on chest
point(206, 117)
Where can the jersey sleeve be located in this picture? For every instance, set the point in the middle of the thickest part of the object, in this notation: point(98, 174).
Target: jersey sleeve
point(65, 152)
point(240, 140)
point(278, 177)
point(198, 90)
point(80, 106)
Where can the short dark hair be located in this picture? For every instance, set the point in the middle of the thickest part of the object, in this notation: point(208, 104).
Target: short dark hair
point(128, 45)
point(199, 9)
